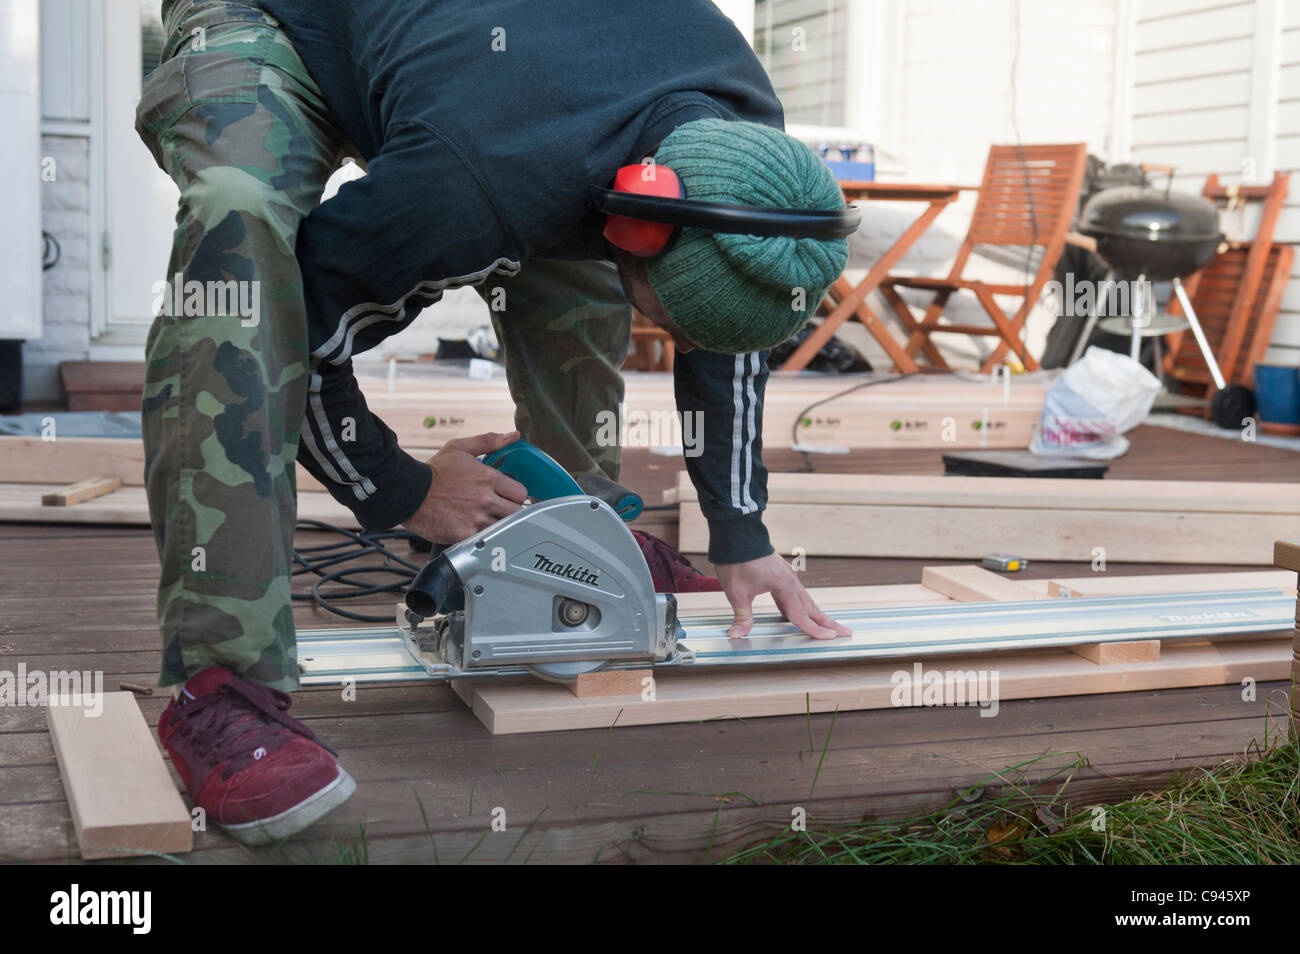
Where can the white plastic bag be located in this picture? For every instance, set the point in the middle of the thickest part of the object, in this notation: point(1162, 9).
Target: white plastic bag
point(1092, 404)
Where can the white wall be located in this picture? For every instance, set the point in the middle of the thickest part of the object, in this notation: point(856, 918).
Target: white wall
point(1216, 88)
point(20, 238)
point(955, 100)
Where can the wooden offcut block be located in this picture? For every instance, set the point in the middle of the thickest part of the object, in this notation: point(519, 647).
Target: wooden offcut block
point(618, 682)
point(974, 584)
point(1287, 555)
point(81, 491)
point(1108, 654)
point(121, 796)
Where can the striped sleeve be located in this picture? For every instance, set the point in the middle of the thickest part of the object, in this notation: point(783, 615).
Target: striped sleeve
point(355, 455)
point(720, 397)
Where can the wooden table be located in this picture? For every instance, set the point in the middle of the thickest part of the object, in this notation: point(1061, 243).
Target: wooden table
point(847, 300)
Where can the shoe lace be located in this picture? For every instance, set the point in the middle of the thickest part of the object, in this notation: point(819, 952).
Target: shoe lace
point(210, 722)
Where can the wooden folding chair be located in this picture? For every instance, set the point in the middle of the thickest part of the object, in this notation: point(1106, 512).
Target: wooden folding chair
point(652, 347)
point(1236, 296)
point(1027, 199)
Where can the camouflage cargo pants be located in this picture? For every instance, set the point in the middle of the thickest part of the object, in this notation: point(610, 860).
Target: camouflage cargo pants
point(235, 119)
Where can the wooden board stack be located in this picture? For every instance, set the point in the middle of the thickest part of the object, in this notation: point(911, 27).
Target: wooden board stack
point(426, 410)
point(958, 412)
point(957, 518)
point(1286, 554)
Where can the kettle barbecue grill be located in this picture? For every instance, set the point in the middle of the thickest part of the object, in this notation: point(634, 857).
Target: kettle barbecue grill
point(1147, 235)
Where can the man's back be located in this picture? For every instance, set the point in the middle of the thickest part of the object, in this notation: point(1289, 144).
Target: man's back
point(534, 100)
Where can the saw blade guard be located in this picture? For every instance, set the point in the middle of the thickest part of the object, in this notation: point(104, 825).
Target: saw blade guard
point(560, 587)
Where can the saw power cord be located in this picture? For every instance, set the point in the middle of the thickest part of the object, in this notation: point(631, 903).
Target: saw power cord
point(335, 583)
point(798, 418)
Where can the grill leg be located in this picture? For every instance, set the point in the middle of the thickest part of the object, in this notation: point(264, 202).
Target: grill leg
point(1199, 335)
point(1087, 328)
point(1083, 338)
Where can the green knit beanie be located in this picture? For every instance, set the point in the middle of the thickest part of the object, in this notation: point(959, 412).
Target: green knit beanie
point(740, 293)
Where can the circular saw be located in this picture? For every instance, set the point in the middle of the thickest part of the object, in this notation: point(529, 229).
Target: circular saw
point(560, 588)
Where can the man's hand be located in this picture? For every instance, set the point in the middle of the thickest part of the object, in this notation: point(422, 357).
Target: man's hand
point(466, 494)
point(771, 574)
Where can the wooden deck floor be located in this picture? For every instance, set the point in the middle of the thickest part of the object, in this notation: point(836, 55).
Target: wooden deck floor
point(430, 776)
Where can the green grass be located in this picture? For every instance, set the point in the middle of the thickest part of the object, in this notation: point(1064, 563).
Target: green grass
point(1241, 812)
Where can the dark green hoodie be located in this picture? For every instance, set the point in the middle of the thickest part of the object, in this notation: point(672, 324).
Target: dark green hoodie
point(483, 122)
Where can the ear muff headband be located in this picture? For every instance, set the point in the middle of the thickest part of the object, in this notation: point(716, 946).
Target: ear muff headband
point(647, 206)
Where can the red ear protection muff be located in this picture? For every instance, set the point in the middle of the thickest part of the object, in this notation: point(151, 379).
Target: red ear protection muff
point(648, 206)
point(642, 237)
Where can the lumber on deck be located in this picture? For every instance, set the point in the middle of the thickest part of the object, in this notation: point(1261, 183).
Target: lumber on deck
point(1036, 518)
point(429, 773)
point(122, 799)
point(983, 683)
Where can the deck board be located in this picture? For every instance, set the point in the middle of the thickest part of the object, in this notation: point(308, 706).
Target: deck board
point(82, 597)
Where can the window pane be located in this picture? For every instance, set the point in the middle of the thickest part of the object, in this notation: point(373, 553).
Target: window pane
point(803, 46)
point(151, 36)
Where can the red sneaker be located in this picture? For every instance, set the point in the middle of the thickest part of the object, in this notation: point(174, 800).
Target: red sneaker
point(255, 771)
point(670, 571)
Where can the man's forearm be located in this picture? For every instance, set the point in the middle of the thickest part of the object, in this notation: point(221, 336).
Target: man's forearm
point(355, 455)
point(725, 393)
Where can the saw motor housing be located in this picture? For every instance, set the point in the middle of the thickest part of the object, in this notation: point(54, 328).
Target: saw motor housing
point(559, 588)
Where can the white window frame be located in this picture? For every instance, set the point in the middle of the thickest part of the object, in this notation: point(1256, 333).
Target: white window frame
point(874, 80)
point(20, 206)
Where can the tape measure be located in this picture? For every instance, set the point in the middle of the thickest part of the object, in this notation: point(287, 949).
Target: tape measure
point(1004, 563)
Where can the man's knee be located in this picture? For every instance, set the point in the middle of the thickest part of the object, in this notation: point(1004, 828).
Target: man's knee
point(228, 199)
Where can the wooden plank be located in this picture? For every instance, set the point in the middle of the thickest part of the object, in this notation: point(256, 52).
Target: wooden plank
point(31, 460)
point(80, 492)
point(968, 533)
point(1287, 555)
point(1024, 493)
point(1106, 584)
point(679, 697)
point(952, 413)
point(121, 796)
point(1109, 654)
point(620, 682)
point(974, 584)
point(127, 506)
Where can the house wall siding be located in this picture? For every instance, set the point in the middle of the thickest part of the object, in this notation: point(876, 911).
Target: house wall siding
point(1216, 89)
point(957, 100)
